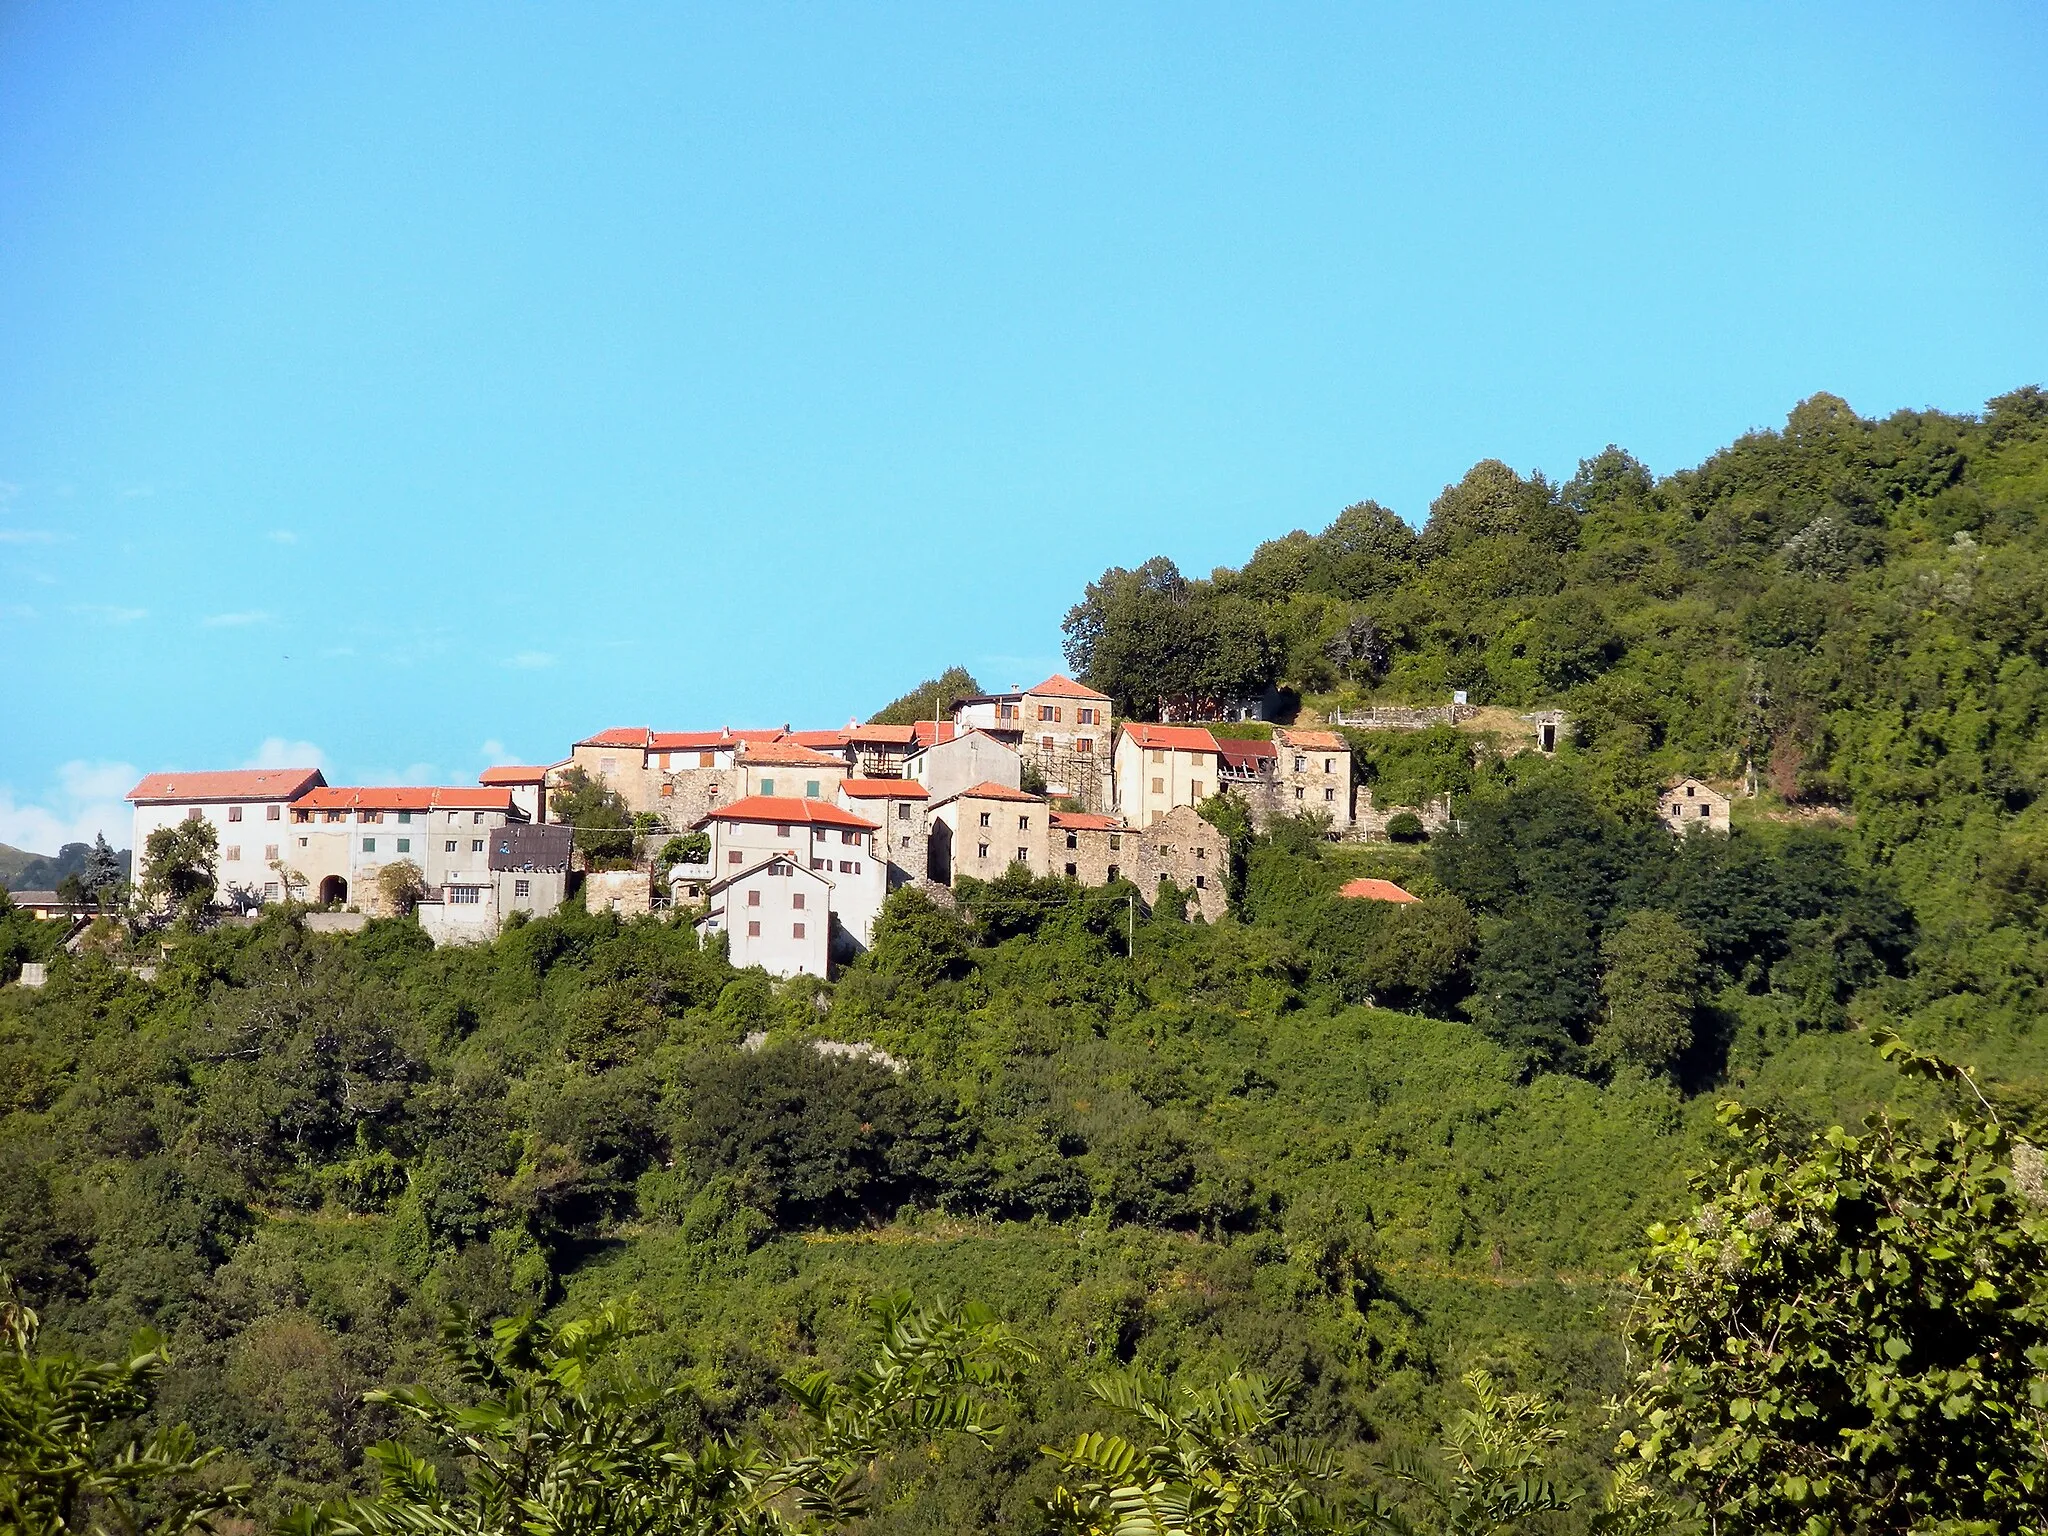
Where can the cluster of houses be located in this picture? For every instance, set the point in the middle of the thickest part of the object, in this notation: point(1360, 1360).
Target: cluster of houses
point(808, 831)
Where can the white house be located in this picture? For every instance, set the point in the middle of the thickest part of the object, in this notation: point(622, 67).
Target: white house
point(824, 838)
point(776, 914)
point(1159, 767)
point(247, 807)
point(528, 786)
point(947, 766)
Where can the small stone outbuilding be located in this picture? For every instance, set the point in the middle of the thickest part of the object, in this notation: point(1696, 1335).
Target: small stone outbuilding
point(1692, 804)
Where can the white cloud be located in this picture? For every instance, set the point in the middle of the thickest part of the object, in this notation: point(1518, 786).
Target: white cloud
point(276, 752)
point(236, 620)
point(28, 536)
point(282, 536)
point(109, 612)
point(494, 752)
point(86, 800)
point(530, 661)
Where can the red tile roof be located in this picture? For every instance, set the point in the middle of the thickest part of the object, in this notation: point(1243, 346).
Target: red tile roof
point(1177, 738)
point(989, 790)
point(1084, 821)
point(228, 784)
point(1245, 754)
point(882, 735)
point(509, 774)
point(821, 738)
point(405, 797)
point(788, 754)
point(785, 810)
point(619, 736)
point(1061, 686)
point(932, 732)
point(884, 789)
point(1314, 741)
point(689, 741)
point(1375, 890)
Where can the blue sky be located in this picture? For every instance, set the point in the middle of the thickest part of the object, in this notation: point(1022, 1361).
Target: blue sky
point(407, 388)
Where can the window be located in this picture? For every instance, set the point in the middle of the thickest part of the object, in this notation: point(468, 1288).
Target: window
point(782, 829)
point(1159, 786)
point(1073, 840)
point(337, 815)
point(233, 854)
point(1023, 823)
point(405, 818)
point(476, 818)
point(796, 930)
point(273, 813)
point(270, 853)
point(1688, 795)
point(906, 842)
point(851, 839)
point(984, 818)
point(304, 841)
point(1085, 745)
point(522, 887)
point(733, 857)
point(846, 866)
point(1023, 855)
point(1704, 810)
point(753, 898)
point(664, 762)
point(821, 863)
point(369, 845)
point(767, 786)
point(707, 760)
point(1084, 715)
point(1071, 872)
point(1006, 711)
point(270, 890)
point(796, 900)
point(981, 850)
point(405, 845)
point(1297, 792)
point(1115, 842)
point(1329, 794)
point(465, 895)
point(667, 790)
point(1300, 763)
point(476, 845)
point(1329, 765)
point(1201, 853)
point(449, 846)
point(1201, 882)
point(234, 813)
point(753, 930)
point(810, 789)
point(1112, 871)
point(1045, 743)
point(1158, 756)
point(903, 810)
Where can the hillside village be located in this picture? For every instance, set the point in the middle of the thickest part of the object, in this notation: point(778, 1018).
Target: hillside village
point(796, 837)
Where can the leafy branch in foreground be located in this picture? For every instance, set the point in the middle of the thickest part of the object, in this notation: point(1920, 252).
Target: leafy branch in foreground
point(1853, 1336)
point(564, 1440)
point(58, 1472)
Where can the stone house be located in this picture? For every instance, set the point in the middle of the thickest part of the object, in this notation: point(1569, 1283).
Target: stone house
point(1313, 772)
point(1160, 767)
point(963, 758)
point(1180, 846)
point(340, 838)
point(1085, 846)
point(1060, 727)
point(248, 809)
point(1249, 770)
point(901, 807)
point(776, 914)
point(880, 751)
point(1692, 804)
point(984, 829)
point(824, 838)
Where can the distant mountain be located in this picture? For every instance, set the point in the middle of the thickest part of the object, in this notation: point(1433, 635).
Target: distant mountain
point(21, 870)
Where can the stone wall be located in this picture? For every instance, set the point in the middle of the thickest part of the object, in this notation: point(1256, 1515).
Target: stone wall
point(1371, 826)
point(1088, 854)
point(1082, 776)
point(1321, 786)
point(686, 795)
point(627, 892)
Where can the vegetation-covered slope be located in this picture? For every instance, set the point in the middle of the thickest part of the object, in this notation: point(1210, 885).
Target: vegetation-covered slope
point(1367, 1146)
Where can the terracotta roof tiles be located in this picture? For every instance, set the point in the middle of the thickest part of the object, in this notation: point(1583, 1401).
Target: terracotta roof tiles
point(229, 784)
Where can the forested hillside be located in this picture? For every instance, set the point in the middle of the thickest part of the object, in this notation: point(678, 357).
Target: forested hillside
point(1368, 1147)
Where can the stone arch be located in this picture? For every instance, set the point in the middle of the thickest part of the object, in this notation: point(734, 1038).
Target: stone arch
point(333, 891)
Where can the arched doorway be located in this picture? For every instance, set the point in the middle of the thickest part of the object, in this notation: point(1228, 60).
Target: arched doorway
point(333, 891)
